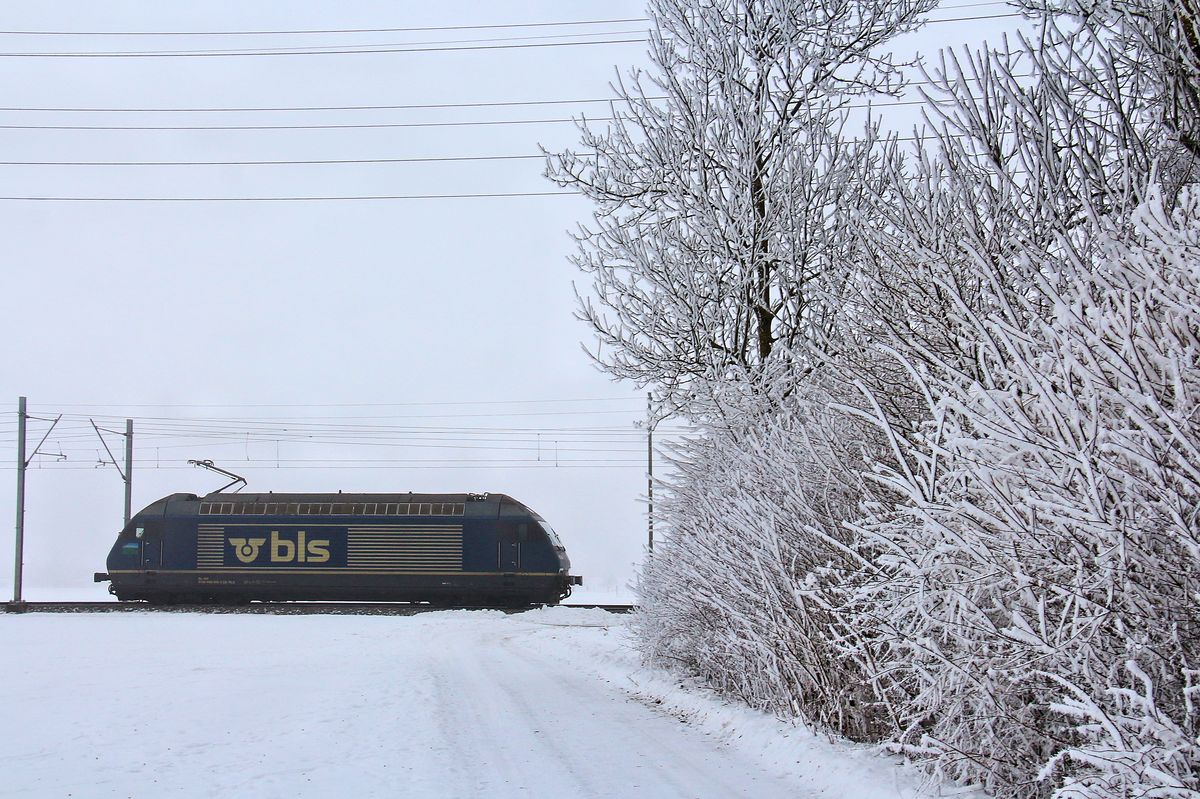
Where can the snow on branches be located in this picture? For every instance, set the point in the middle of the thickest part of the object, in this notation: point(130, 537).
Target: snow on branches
point(1041, 567)
point(945, 492)
point(719, 208)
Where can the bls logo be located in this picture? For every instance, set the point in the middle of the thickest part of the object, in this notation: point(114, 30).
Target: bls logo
point(246, 549)
point(283, 550)
point(300, 550)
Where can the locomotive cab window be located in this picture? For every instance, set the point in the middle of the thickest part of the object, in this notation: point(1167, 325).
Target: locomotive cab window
point(550, 533)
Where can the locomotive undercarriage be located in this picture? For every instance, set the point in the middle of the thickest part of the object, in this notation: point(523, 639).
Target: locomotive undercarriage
point(514, 590)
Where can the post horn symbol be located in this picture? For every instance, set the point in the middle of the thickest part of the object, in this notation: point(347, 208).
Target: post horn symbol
point(246, 549)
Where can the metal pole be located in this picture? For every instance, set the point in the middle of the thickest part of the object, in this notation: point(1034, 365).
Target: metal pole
point(650, 472)
point(20, 556)
point(128, 468)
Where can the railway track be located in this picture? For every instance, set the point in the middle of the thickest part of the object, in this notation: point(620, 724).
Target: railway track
point(276, 608)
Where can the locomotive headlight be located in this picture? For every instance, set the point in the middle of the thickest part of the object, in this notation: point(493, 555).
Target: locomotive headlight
point(141, 531)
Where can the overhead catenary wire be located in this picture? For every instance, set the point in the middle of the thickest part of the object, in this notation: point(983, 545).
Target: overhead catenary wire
point(333, 404)
point(288, 420)
point(381, 437)
point(378, 432)
point(340, 440)
point(371, 425)
point(323, 467)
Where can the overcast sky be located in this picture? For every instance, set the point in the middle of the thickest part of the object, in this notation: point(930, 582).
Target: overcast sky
point(267, 323)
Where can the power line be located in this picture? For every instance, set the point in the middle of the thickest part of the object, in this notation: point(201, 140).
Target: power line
point(288, 419)
point(333, 30)
point(528, 464)
point(335, 126)
point(368, 125)
point(337, 198)
point(412, 107)
point(355, 50)
point(406, 107)
point(363, 197)
point(258, 53)
point(976, 5)
point(435, 159)
point(973, 19)
point(419, 106)
point(371, 434)
point(336, 404)
point(425, 29)
point(325, 422)
point(417, 44)
point(361, 46)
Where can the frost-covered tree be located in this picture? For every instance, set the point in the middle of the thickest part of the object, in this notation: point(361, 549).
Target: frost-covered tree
point(721, 239)
point(720, 208)
point(1157, 44)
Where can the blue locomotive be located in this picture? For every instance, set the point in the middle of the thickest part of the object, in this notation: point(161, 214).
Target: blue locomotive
point(452, 549)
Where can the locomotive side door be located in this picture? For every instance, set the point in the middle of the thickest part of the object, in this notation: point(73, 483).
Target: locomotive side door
point(151, 537)
point(508, 548)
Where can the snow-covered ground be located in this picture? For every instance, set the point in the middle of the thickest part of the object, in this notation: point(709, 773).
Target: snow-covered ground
point(449, 704)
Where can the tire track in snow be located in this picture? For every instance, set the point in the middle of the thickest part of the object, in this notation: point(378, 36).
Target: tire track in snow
point(531, 724)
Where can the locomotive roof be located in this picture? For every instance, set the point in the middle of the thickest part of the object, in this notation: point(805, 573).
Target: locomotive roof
point(356, 497)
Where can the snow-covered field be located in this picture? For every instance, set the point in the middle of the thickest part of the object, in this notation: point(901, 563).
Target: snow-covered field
point(449, 704)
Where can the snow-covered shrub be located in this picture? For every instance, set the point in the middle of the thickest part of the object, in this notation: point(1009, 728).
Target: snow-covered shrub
point(1131, 747)
point(946, 485)
point(1040, 578)
point(1036, 600)
point(746, 590)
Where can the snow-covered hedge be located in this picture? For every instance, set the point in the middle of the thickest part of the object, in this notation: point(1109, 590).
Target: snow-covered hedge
point(748, 590)
point(945, 492)
point(1040, 573)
